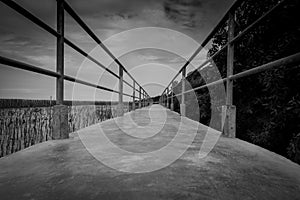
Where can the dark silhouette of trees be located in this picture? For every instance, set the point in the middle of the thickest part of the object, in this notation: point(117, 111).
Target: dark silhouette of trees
point(268, 103)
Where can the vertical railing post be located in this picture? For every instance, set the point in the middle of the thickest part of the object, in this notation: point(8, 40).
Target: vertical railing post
point(182, 105)
point(60, 54)
point(229, 111)
point(172, 99)
point(168, 100)
point(165, 99)
point(147, 100)
point(133, 98)
point(60, 111)
point(142, 101)
point(120, 103)
point(140, 97)
point(144, 98)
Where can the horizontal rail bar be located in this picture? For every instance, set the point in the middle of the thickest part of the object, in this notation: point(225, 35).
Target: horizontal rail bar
point(47, 28)
point(75, 80)
point(76, 17)
point(76, 48)
point(50, 30)
point(130, 85)
point(27, 67)
point(127, 83)
point(293, 59)
point(203, 86)
point(234, 40)
point(29, 16)
point(172, 80)
point(210, 35)
point(246, 30)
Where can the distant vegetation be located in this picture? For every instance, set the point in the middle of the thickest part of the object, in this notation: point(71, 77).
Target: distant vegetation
point(268, 104)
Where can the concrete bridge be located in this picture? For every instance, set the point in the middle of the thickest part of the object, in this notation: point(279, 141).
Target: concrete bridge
point(172, 157)
point(65, 169)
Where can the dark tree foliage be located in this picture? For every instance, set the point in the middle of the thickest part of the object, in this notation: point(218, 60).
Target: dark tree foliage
point(268, 103)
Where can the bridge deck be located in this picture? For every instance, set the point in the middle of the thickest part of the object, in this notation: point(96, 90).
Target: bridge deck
point(64, 169)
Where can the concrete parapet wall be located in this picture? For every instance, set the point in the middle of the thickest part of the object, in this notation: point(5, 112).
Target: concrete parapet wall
point(24, 127)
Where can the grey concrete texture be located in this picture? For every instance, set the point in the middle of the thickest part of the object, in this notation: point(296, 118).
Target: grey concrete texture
point(229, 121)
point(60, 122)
point(64, 169)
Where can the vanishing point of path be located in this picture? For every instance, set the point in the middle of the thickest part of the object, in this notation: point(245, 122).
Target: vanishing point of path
point(65, 169)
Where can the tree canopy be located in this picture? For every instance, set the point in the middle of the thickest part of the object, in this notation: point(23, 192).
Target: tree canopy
point(268, 103)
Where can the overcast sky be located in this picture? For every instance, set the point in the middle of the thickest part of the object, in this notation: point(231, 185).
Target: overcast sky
point(152, 38)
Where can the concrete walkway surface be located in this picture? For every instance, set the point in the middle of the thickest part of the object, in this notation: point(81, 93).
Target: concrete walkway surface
point(70, 169)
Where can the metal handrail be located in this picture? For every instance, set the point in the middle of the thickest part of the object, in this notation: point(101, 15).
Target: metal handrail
point(292, 59)
point(208, 38)
point(228, 114)
point(47, 28)
point(28, 67)
point(85, 27)
point(234, 40)
point(32, 68)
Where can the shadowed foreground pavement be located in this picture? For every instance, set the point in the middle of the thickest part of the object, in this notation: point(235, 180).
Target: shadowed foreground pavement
point(64, 169)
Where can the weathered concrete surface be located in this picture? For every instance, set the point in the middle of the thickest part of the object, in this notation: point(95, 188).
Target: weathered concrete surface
point(229, 120)
point(60, 122)
point(63, 169)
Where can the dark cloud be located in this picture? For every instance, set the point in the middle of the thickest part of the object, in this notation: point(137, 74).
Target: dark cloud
point(110, 7)
point(121, 15)
point(22, 40)
point(195, 13)
point(183, 12)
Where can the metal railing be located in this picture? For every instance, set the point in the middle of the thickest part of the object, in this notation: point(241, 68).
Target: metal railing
point(228, 113)
point(63, 6)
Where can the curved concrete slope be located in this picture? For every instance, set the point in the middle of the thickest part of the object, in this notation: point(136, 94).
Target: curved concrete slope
point(65, 169)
